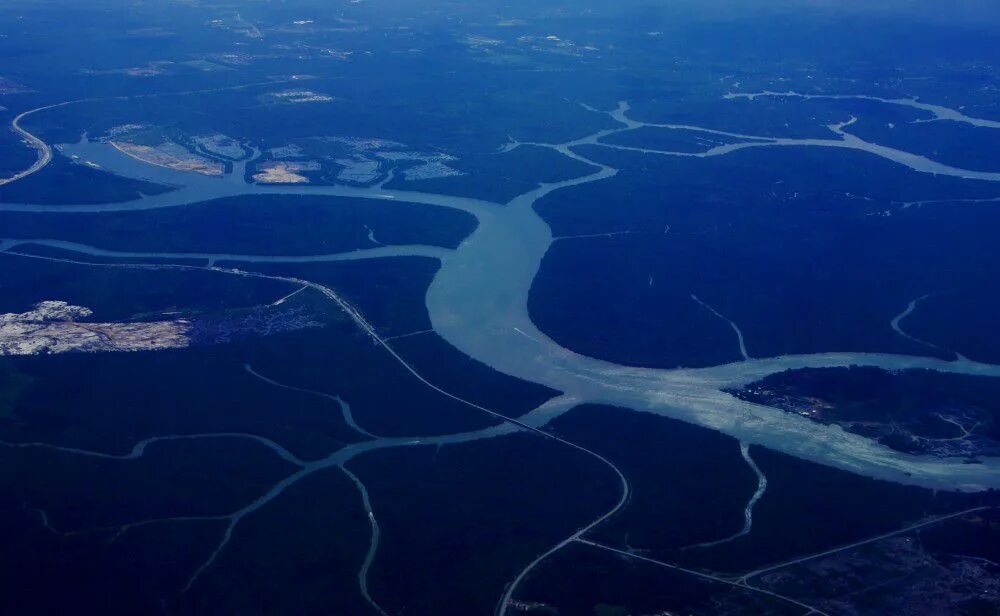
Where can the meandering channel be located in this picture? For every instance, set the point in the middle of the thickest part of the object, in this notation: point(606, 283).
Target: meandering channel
point(478, 302)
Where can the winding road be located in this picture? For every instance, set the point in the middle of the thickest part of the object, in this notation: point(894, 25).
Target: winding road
point(42, 149)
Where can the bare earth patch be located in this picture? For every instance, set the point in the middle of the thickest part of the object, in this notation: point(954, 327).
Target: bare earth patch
point(171, 155)
point(278, 172)
point(51, 327)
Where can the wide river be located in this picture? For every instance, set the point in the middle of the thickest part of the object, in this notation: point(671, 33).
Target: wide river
point(478, 303)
